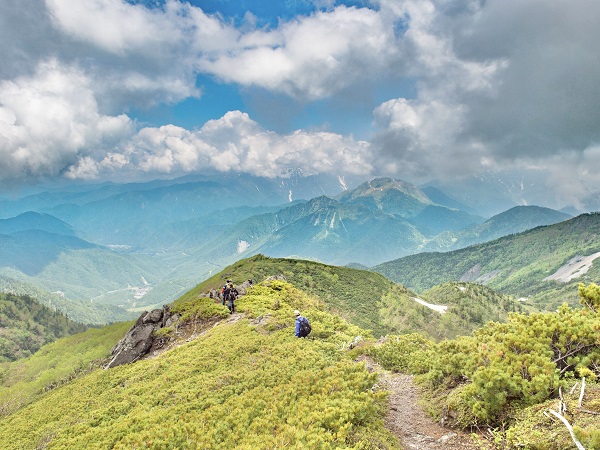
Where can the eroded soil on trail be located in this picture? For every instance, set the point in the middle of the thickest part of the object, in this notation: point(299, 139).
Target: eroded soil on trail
point(407, 420)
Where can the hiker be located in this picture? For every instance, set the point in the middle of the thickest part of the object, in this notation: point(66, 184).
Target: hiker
point(230, 293)
point(303, 327)
point(225, 292)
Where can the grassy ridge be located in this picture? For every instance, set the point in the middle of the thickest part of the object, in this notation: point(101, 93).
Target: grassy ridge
point(237, 386)
point(356, 295)
point(369, 300)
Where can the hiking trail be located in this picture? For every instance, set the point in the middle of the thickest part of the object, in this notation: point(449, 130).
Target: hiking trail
point(407, 420)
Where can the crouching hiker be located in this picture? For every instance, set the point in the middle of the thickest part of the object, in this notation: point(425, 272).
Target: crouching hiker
point(303, 327)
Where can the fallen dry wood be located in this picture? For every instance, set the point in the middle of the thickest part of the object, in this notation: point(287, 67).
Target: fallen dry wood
point(582, 391)
point(588, 411)
point(569, 427)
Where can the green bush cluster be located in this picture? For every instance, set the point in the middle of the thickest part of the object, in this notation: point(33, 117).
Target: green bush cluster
point(239, 385)
point(398, 352)
point(200, 309)
point(517, 364)
point(483, 379)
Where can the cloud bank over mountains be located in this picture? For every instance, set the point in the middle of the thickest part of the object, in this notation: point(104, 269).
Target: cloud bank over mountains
point(496, 85)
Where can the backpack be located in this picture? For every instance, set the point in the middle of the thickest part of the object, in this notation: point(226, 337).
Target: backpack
point(305, 327)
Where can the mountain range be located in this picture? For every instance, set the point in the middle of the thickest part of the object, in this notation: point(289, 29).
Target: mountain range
point(542, 266)
point(141, 245)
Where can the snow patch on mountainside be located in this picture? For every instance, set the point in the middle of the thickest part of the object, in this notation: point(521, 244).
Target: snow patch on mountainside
point(242, 246)
point(574, 268)
point(439, 308)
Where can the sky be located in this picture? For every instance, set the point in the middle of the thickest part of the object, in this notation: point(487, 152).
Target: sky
point(416, 89)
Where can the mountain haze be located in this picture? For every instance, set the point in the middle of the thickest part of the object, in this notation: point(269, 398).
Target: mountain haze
point(512, 221)
point(141, 245)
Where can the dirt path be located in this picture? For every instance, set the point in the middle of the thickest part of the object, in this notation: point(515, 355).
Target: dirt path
point(407, 420)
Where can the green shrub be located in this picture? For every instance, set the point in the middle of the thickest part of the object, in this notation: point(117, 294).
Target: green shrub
point(485, 378)
point(203, 308)
point(400, 353)
point(236, 386)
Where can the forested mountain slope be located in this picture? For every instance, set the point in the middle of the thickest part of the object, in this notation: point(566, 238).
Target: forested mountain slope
point(78, 310)
point(26, 325)
point(517, 264)
point(512, 221)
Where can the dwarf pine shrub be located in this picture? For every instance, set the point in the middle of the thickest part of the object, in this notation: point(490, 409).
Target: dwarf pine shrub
point(501, 368)
point(240, 385)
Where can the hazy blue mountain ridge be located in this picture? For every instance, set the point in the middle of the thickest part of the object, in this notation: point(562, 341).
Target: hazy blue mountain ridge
point(35, 221)
point(164, 237)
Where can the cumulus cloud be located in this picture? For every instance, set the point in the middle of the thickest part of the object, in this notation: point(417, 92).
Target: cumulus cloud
point(232, 143)
point(500, 85)
point(50, 120)
point(497, 84)
point(310, 57)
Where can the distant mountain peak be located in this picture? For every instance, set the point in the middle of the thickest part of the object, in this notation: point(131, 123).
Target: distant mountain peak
point(378, 186)
point(389, 195)
point(31, 220)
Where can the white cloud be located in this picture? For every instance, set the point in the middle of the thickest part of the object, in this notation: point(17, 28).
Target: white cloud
point(50, 120)
point(310, 57)
point(500, 84)
point(237, 143)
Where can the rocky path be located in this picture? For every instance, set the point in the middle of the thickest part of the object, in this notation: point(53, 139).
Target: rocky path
point(407, 420)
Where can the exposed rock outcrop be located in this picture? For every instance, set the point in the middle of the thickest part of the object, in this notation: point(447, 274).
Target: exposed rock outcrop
point(138, 340)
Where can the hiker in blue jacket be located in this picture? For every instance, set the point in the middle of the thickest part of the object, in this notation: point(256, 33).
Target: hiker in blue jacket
point(303, 327)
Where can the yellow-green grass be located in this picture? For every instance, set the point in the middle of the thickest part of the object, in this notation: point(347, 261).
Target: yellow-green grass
point(246, 384)
point(24, 380)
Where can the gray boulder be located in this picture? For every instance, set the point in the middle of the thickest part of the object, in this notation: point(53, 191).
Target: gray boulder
point(140, 337)
point(136, 343)
point(154, 316)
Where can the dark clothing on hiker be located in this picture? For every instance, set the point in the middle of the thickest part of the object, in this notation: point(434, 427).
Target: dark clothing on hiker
point(230, 293)
point(299, 320)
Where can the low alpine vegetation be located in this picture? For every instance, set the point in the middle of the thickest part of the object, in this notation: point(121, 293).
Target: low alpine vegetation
point(505, 371)
point(247, 382)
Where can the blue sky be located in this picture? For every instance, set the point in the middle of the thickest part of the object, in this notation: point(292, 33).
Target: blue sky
point(416, 89)
point(350, 113)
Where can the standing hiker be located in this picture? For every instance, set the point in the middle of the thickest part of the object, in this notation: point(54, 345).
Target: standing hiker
point(303, 327)
point(225, 292)
point(230, 293)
